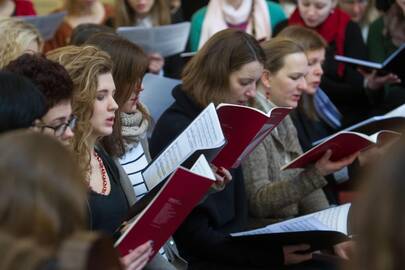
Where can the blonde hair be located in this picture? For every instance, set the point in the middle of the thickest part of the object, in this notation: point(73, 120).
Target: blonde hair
point(84, 65)
point(16, 35)
point(126, 16)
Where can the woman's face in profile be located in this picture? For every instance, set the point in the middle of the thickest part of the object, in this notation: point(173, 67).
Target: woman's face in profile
point(315, 12)
point(286, 86)
point(242, 83)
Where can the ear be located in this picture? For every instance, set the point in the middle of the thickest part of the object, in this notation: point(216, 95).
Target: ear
point(35, 125)
point(266, 78)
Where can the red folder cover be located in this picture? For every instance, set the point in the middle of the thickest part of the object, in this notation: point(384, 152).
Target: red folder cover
point(342, 144)
point(244, 128)
point(183, 190)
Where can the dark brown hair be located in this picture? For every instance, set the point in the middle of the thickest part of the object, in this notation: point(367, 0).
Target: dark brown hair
point(50, 77)
point(130, 65)
point(206, 75)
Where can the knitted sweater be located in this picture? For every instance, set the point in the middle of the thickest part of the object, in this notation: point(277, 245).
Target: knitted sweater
point(276, 195)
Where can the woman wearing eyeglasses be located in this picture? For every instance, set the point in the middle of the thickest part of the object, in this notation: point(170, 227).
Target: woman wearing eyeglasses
point(55, 84)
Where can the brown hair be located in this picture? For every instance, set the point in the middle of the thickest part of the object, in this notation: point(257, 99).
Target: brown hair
point(84, 65)
point(130, 65)
point(277, 49)
point(206, 75)
point(380, 222)
point(309, 40)
point(126, 16)
point(42, 192)
point(21, 253)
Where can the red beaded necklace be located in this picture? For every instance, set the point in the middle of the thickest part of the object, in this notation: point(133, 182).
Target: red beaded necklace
point(103, 173)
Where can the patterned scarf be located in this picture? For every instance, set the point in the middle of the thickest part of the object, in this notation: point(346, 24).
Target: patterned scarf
point(134, 128)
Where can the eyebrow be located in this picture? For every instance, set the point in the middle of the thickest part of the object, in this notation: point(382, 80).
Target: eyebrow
point(59, 119)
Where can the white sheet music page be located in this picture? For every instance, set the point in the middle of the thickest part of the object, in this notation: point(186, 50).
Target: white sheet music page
point(203, 133)
point(331, 219)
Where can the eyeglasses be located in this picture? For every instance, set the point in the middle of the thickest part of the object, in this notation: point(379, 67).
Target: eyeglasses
point(60, 129)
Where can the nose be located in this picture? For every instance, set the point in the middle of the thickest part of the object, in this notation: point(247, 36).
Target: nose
point(319, 70)
point(113, 106)
point(251, 92)
point(356, 8)
point(311, 11)
point(302, 85)
point(68, 134)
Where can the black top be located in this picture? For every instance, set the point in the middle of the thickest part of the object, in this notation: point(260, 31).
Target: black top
point(309, 130)
point(347, 92)
point(203, 238)
point(108, 212)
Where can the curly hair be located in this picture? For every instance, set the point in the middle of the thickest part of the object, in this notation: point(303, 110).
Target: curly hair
point(130, 65)
point(50, 77)
point(84, 65)
point(16, 36)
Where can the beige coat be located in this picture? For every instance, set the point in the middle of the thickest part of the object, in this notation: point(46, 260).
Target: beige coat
point(276, 195)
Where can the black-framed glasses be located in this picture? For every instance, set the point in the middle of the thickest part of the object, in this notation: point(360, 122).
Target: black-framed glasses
point(60, 129)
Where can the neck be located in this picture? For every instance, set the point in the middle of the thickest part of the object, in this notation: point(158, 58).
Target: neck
point(88, 9)
point(142, 16)
point(235, 3)
point(91, 141)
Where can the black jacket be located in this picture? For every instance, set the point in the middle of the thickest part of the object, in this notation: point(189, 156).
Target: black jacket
point(203, 238)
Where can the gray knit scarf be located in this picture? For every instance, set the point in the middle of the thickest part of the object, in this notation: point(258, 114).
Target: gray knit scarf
point(134, 128)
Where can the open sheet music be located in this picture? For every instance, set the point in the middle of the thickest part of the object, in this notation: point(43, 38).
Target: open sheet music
point(203, 133)
point(167, 39)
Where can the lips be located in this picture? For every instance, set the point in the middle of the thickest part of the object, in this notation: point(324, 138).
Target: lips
point(316, 84)
point(141, 7)
point(110, 121)
point(296, 97)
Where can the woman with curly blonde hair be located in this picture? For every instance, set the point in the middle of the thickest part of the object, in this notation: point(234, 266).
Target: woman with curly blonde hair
point(17, 37)
point(94, 105)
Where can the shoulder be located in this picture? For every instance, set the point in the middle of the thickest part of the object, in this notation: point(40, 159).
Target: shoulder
point(276, 12)
point(199, 15)
point(378, 24)
point(275, 8)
